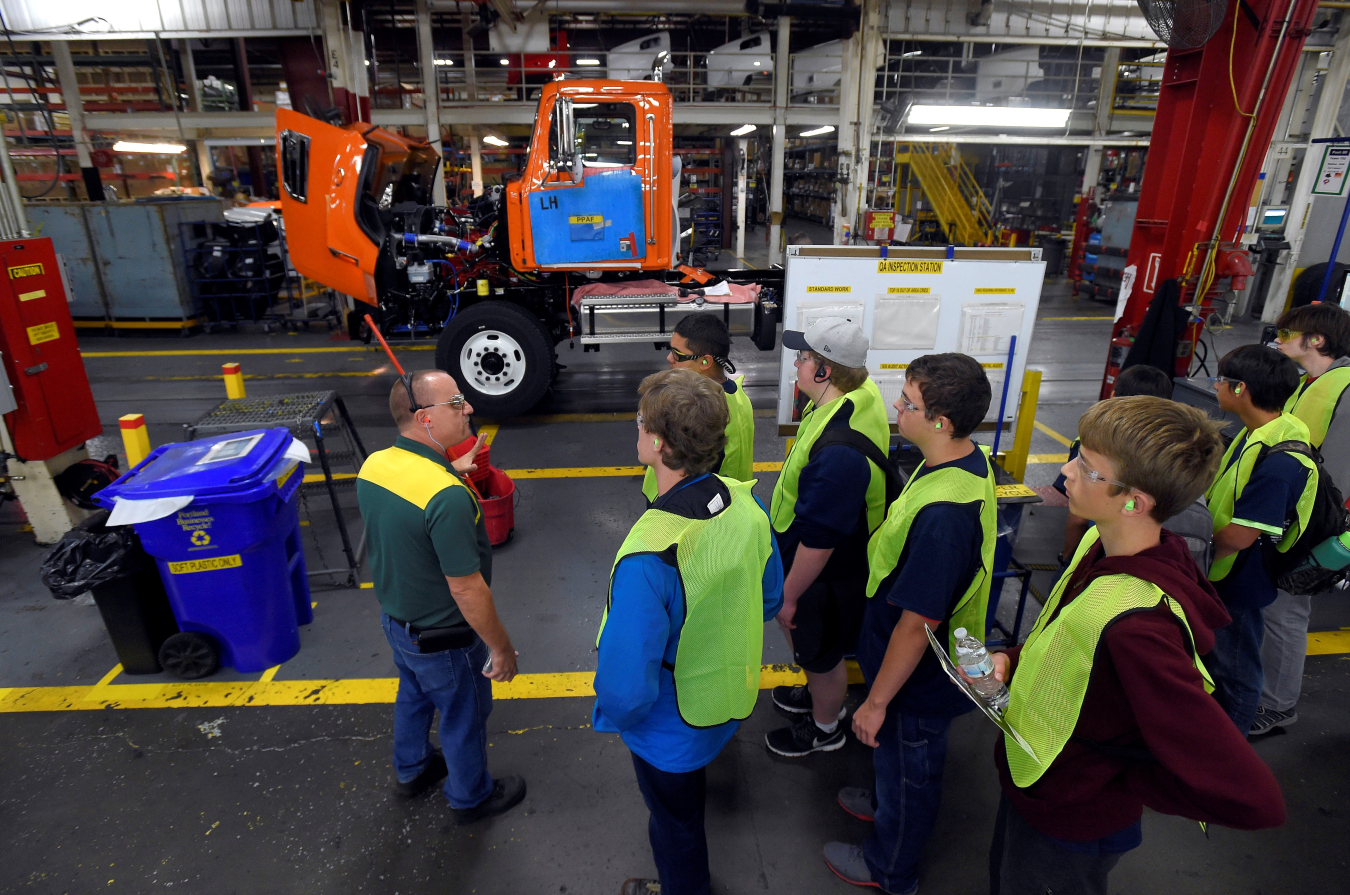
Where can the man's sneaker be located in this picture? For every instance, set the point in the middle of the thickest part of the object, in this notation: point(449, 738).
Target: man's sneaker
point(433, 773)
point(637, 886)
point(803, 738)
point(847, 862)
point(1268, 720)
point(506, 794)
point(797, 700)
point(858, 802)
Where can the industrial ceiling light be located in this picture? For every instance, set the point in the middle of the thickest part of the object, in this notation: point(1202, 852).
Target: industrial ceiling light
point(155, 148)
point(445, 62)
point(911, 54)
point(988, 116)
point(934, 130)
point(743, 130)
point(817, 131)
point(494, 140)
point(504, 61)
point(588, 62)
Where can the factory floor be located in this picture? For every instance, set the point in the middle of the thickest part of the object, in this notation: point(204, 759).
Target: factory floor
point(281, 782)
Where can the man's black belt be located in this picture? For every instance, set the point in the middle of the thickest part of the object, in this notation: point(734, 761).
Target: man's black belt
point(433, 640)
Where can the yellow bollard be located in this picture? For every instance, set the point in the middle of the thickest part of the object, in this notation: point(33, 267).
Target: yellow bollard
point(1016, 464)
point(135, 438)
point(234, 380)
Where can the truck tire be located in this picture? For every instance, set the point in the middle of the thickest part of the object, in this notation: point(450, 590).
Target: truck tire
point(500, 356)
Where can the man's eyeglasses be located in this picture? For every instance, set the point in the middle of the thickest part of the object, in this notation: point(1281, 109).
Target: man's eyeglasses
point(910, 406)
point(804, 356)
point(1094, 476)
point(1215, 380)
point(639, 421)
point(1287, 335)
point(680, 356)
point(456, 401)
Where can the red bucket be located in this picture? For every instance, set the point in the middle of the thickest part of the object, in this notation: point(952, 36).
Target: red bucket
point(480, 476)
point(498, 502)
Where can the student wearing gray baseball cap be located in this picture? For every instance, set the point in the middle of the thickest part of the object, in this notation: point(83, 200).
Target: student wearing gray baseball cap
point(828, 500)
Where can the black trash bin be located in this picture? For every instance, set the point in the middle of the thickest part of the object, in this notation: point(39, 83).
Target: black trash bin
point(110, 563)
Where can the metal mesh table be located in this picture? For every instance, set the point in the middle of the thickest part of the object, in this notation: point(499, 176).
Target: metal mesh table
point(308, 416)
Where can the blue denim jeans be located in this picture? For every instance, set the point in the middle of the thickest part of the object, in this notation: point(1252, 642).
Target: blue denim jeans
point(911, 751)
point(679, 843)
point(1235, 665)
point(450, 681)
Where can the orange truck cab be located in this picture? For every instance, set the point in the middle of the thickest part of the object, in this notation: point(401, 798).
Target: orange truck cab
point(492, 280)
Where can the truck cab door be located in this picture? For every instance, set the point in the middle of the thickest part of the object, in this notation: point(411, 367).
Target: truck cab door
point(589, 209)
point(320, 171)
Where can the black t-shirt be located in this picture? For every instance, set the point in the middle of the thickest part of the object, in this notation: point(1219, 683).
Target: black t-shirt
point(945, 542)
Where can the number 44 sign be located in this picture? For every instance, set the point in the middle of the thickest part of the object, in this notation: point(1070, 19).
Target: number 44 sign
point(1331, 176)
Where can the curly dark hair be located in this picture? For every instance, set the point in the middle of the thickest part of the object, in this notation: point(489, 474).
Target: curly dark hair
point(688, 412)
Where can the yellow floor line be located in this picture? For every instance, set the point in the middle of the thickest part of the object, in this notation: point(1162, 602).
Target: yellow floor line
point(1035, 459)
point(490, 430)
point(1053, 434)
point(268, 692)
point(261, 376)
point(575, 472)
point(218, 352)
point(270, 673)
point(318, 477)
point(1327, 643)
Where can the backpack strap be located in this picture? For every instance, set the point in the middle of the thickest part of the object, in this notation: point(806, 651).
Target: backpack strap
point(1290, 447)
point(865, 446)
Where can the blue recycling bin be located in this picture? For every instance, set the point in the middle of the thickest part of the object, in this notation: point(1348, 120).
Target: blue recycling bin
point(232, 560)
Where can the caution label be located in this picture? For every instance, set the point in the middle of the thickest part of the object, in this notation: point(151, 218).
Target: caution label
point(1007, 491)
point(26, 270)
point(908, 265)
point(587, 219)
point(214, 564)
point(894, 366)
point(995, 291)
point(883, 219)
point(29, 296)
point(829, 288)
point(43, 332)
point(908, 290)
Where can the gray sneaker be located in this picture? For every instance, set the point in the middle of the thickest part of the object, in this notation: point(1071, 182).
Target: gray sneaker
point(846, 862)
point(1268, 720)
point(858, 802)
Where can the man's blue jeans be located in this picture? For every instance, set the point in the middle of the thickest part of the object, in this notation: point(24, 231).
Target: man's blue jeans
point(1235, 665)
point(911, 751)
point(679, 843)
point(452, 682)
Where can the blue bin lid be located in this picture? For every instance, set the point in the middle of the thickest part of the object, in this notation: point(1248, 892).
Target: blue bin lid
point(212, 467)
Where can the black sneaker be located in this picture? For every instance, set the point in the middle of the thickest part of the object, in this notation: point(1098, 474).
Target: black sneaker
point(797, 700)
point(1268, 720)
point(803, 738)
point(432, 774)
point(506, 794)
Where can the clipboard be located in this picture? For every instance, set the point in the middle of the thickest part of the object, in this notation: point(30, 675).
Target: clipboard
point(950, 667)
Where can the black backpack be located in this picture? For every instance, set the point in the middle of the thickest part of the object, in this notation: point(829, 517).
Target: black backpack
point(1329, 519)
point(895, 479)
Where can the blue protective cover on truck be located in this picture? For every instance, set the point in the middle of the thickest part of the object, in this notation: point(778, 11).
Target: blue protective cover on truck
point(573, 224)
point(238, 468)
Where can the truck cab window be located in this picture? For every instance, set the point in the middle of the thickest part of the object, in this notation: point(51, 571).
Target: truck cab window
point(605, 134)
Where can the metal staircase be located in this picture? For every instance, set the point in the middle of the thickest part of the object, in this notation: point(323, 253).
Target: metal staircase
point(951, 188)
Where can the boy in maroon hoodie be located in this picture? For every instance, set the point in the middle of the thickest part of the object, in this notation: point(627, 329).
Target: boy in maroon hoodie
point(1110, 689)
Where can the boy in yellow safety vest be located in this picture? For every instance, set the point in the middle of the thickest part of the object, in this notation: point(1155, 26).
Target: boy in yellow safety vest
point(1260, 495)
point(701, 344)
point(929, 566)
point(1110, 689)
point(1317, 338)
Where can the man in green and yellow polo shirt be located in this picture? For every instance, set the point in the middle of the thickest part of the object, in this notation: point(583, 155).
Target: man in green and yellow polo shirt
point(432, 565)
point(701, 344)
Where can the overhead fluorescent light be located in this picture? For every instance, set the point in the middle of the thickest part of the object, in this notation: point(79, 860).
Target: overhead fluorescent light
point(934, 130)
point(445, 62)
point(494, 140)
point(816, 132)
point(988, 116)
point(504, 61)
point(624, 142)
point(743, 130)
point(911, 54)
point(156, 148)
point(588, 62)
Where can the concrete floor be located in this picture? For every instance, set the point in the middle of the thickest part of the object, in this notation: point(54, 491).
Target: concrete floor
point(298, 798)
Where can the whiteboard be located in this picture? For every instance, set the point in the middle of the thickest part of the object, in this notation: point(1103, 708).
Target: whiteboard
point(917, 301)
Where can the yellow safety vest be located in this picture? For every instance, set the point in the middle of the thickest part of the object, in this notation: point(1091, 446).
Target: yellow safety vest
point(944, 486)
point(869, 418)
point(720, 562)
point(1055, 666)
point(1315, 402)
point(1235, 472)
point(738, 458)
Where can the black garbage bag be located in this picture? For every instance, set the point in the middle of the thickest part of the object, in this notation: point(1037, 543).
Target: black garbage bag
point(89, 555)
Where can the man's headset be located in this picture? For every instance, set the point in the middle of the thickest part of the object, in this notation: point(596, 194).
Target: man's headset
point(407, 380)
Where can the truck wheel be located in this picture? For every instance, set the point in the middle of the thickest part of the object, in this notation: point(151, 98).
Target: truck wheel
point(499, 355)
point(189, 655)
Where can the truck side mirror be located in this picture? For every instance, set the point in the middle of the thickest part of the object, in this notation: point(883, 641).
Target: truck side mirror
point(566, 135)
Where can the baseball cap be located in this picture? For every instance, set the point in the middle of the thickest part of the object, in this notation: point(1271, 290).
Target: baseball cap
point(833, 338)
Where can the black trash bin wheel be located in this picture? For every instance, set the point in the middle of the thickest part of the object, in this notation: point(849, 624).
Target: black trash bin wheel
point(189, 655)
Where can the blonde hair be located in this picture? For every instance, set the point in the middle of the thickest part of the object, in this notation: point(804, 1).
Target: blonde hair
point(1167, 450)
point(846, 379)
point(688, 412)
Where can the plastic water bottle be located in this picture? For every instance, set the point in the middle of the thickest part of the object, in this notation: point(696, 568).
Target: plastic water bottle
point(975, 662)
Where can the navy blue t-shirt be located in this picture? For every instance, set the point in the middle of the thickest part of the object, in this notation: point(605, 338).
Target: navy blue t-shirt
point(1059, 479)
point(831, 497)
point(945, 541)
point(1269, 504)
